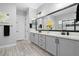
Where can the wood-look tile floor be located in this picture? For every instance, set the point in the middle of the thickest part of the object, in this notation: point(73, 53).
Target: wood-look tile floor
point(23, 48)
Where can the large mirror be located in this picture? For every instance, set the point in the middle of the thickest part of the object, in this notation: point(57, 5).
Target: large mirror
point(63, 19)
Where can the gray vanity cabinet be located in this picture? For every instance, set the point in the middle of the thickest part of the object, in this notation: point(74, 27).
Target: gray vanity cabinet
point(51, 45)
point(34, 38)
point(42, 41)
point(66, 47)
point(56, 45)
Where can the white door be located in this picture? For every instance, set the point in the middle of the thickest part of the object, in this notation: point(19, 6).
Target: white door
point(20, 27)
point(27, 29)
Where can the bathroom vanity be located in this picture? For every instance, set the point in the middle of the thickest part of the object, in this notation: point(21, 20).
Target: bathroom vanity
point(58, 45)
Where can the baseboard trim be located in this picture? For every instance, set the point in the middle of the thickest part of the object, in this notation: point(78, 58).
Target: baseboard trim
point(10, 45)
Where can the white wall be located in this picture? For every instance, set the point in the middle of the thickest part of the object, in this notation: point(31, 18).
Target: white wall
point(32, 14)
point(50, 7)
point(11, 9)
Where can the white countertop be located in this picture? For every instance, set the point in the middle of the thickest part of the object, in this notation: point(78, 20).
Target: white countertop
point(71, 37)
point(57, 34)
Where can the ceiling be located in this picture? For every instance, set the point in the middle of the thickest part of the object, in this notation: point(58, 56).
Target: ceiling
point(24, 6)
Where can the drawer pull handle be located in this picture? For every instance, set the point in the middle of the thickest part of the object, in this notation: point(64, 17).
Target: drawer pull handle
point(56, 41)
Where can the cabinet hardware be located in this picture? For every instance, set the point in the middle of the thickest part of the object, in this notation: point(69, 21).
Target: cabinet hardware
point(57, 41)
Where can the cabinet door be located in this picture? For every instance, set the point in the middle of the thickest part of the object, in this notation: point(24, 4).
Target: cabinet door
point(42, 41)
point(42, 44)
point(66, 47)
point(76, 48)
point(32, 37)
point(36, 39)
point(51, 45)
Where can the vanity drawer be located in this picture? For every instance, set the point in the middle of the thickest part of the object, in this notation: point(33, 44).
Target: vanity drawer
point(41, 36)
point(42, 41)
point(42, 44)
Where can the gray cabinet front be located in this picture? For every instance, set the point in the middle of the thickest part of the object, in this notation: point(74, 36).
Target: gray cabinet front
point(42, 41)
point(34, 38)
point(51, 45)
point(76, 48)
point(66, 47)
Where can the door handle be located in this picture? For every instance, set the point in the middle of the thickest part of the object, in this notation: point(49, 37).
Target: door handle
point(17, 31)
point(33, 34)
point(57, 41)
